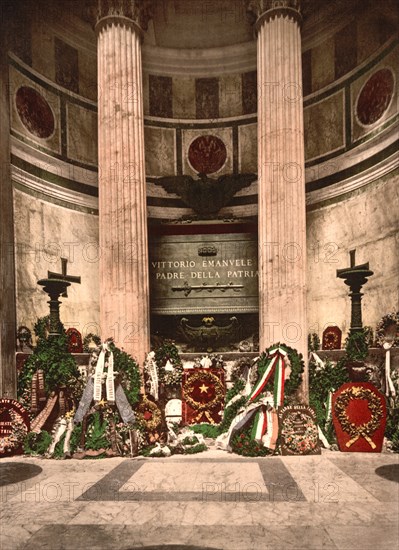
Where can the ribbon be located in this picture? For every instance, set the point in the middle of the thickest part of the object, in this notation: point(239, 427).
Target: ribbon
point(153, 372)
point(60, 428)
point(366, 437)
point(329, 406)
point(243, 416)
point(98, 374)
point(124, 408)
point(265, 428)
point(389, 386)
point(260, 425)
point(63, 425)
point(269, 439)
point(123, 405)
point(85, 401)
point(110, 379)
point(67, 440)
point(207, 416)
point(276, 364)
point(33, 394)
point(319, 362)
point(42, 417)
point(323, 438)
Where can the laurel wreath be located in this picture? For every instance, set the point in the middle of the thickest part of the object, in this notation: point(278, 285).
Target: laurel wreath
point(356, 430)
point(156, 418)
point(19, 431)
point(188, 388)
point(330, 340)
point(392, 319)
point(88, 339)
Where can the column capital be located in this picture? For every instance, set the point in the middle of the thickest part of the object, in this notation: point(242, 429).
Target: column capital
point(265, 10)
point(135, 13)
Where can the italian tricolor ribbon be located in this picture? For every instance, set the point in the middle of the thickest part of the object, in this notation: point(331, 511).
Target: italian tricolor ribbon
point(265, 428)
point(277, 357)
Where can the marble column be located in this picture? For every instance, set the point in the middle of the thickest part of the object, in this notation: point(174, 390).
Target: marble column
point(8, 372)
point(124, 282)
point(281, 173)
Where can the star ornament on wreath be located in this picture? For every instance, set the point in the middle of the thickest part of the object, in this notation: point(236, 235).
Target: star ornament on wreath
point(213, 393)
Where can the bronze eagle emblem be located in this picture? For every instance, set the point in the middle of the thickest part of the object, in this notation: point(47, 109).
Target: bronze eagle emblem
point(206, 196)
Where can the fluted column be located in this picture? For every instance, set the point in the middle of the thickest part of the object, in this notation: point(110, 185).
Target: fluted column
point(8, 326)
point(281, 173)
point(124, 284)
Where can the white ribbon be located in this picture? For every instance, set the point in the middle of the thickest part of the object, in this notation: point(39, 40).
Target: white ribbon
point(389, 386)
point(152, 371)
point(98, 374)
point(110, 378)
point(319, 362)
point(63, 425)
point(323, 438)
point(67, 440)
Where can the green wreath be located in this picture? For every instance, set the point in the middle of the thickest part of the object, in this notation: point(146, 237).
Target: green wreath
point(147, 406)
point(390, 320)
point(297, 366)
point(88, 339)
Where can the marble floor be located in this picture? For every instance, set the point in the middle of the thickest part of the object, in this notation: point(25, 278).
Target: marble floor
point(213, 500)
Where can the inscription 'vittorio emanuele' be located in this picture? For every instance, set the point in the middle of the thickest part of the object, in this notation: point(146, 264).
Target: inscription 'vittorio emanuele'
point(243, 262)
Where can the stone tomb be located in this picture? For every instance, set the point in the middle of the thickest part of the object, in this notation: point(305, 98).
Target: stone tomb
point(212, 269)
point(204, 284)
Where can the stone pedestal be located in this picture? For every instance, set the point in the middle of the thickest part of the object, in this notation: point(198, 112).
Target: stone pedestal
point(124, 287)
point(281, 173)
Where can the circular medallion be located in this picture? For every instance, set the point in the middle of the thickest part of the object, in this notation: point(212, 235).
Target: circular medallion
point(207, 154)
point(35, 112)
point(375, 97)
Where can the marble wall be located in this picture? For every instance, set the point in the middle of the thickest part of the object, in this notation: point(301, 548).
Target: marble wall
point(366, 220)
point(44, 233)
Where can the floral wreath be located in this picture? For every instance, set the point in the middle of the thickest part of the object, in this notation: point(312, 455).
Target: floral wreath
point(300, 443)
point(331, 339)
point(16, 437)
point(189, 388)
point(147, 406)
point(88, 339)
point(388, 321)
point(358, 430)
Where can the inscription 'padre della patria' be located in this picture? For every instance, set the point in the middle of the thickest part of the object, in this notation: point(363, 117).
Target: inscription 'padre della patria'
point(197, 273)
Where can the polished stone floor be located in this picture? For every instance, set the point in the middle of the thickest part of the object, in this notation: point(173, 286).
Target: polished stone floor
point(213, 500)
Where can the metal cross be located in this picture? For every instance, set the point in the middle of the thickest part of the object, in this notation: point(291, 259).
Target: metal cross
point(63, 275)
